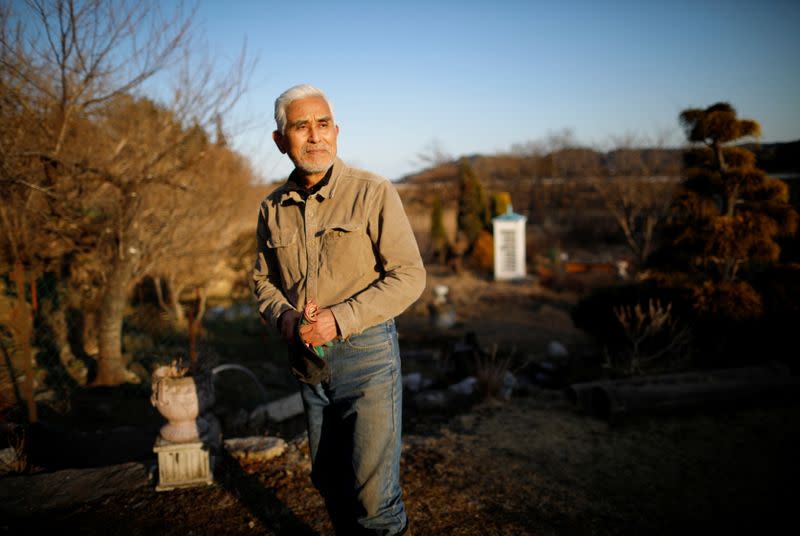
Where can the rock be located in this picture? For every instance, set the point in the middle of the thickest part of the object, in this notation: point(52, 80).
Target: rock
point(465, 387)
point(46, 396)
point(556, 350)
point(416, 382)
point(8, 459)
point(509, 383)
point(432, 400)
point(412, 382)
point(278, 410)
point(26, 495)
point(255, 448)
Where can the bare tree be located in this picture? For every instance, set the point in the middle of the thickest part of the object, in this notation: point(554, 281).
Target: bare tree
point(433, 154)
point(638, 191)
point(94, 154)
point(202, 232)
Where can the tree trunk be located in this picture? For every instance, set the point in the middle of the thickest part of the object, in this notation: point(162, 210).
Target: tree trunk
point(55, 316)
point(172, 306)
point(89, 338)
point(21, 326)
point(719, 157)
point(195, 321)
point(731, 200)
point(110, 365)
point(176, 309)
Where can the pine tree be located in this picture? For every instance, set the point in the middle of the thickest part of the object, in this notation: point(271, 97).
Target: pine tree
point(718, 266)
point(473, 209)
point(727, 217)
point(438, 233)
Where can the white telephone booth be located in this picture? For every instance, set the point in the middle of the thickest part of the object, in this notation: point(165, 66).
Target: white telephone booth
point(509, 245)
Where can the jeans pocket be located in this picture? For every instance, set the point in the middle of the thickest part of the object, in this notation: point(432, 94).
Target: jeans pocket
point(374, 338)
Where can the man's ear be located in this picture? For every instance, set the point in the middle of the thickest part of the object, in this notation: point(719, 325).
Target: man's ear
point(277, 137)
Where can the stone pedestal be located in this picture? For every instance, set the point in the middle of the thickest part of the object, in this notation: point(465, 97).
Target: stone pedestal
point(188, 464)
point(182, 465)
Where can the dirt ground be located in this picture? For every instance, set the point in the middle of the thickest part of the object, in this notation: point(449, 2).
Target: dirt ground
point(526, 314)
point(530, 465)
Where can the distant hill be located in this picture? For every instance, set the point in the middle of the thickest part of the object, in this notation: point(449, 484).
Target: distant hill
point(506, 171)
point(552, 187)
point(552, 191)
point(515, 173)
point(781, 157)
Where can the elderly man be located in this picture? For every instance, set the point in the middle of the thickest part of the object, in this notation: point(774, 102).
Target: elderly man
point(334, 243)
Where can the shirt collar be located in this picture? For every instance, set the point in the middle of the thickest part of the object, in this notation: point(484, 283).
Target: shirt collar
point(324, 189)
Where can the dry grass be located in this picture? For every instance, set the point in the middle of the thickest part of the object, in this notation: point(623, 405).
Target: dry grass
point(491, 371)
point(18, 462)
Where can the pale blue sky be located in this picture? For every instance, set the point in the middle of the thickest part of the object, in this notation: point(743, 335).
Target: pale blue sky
point(478, 76)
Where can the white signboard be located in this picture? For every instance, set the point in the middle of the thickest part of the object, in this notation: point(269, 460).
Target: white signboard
point(509, 246)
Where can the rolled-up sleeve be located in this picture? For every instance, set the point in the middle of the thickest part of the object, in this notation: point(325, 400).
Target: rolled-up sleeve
point(403, 277)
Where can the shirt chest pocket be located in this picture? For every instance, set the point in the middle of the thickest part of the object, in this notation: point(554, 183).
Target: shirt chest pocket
point(285, 249)
point(345, 249)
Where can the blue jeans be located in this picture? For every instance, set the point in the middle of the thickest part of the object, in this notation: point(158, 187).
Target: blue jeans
point(354, 423)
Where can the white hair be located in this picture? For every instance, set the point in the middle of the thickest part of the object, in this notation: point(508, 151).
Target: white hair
point(292, 94)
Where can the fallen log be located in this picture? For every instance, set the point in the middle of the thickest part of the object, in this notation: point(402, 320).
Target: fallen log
point(614, 399)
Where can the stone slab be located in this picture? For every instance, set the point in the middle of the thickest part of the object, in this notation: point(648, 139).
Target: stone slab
point(285, 408)
point(255, 448)
point(28, 494)
point(278, 410)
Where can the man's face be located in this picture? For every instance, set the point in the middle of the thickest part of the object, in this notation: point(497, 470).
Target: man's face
point(310, 135)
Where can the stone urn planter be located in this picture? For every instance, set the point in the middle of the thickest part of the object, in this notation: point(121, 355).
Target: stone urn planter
point(182, 399)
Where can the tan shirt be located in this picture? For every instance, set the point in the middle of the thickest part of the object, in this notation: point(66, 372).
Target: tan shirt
point(348, 246)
